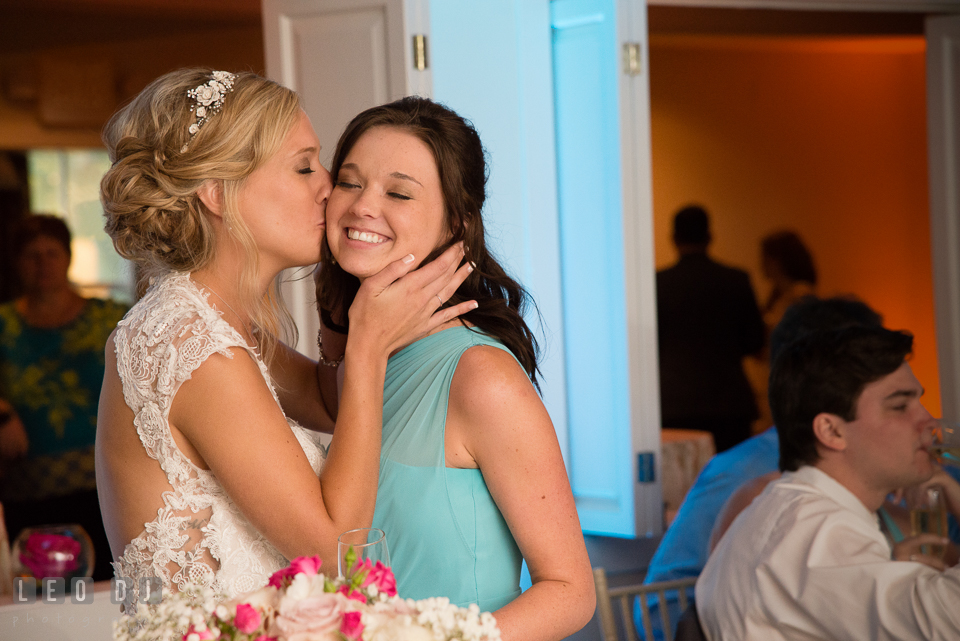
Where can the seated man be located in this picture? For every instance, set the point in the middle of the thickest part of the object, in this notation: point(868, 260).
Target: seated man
point(807, 559)
point(684, 548)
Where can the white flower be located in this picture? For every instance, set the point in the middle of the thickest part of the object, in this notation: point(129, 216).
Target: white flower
point(206, 94)
point(299, 587)
point(194, 128)
point(201, 112)
point(264, 599)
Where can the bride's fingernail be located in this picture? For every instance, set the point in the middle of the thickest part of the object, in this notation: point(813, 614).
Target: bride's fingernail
point(475, 305)
point(470, 267)
point(408, 258)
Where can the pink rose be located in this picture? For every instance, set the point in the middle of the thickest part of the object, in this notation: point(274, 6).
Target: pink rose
point(351, 626)
point(53, 555)
point(247, 618)
point(308, 565)
point(355, 595)
point(264, 637)
point(192, 634)
point(312, 617)
point(381, 576)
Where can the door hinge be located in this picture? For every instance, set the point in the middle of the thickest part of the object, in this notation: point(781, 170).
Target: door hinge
point(420, 52)
point(645, 467)
point(632, 57)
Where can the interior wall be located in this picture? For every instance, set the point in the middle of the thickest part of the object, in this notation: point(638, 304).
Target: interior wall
point(823, 136)
point(132, 64)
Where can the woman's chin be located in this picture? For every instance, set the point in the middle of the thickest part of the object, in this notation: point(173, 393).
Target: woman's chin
point(361, 269)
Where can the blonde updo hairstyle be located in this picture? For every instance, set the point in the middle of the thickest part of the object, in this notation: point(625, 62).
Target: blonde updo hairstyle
point(153, 211)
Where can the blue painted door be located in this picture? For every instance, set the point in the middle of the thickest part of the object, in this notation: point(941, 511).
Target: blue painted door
point(594, 150)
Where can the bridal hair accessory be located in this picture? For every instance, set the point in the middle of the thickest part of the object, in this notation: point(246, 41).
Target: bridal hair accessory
point(209, 98)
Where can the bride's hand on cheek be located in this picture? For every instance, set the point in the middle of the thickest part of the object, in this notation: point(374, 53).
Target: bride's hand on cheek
point(397, 306)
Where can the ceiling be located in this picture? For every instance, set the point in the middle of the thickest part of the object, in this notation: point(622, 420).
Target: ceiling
point(775, 22)
point(30, 25)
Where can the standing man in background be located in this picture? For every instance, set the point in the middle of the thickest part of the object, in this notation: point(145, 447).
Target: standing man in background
point(708, 320)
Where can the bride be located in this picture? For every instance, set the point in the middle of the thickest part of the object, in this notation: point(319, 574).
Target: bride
point(215, 187)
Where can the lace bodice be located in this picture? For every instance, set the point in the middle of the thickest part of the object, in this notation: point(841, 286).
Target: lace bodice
point(199, 535)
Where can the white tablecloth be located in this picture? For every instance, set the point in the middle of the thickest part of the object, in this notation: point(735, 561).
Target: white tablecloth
point(66, 621)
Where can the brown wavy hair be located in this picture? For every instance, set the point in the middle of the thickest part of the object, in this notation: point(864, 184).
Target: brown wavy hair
point(461, 163)
point(153, 211)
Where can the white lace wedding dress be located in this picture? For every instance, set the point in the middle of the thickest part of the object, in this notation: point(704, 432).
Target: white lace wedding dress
point(199, 535)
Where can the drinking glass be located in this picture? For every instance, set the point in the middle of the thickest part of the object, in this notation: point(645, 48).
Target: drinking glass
point(928, 515)
point(946, 442)
point(366, 543)
point(52, 551)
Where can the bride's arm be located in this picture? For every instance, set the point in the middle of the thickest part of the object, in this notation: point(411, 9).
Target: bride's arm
point(504, 428)
point(227, 417)
point(306, 388)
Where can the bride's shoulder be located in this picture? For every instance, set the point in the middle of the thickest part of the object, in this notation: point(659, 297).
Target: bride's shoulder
point(173, 329)
point(171, 302)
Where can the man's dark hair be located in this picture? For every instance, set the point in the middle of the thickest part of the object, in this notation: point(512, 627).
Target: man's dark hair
point(691, 226)
point(826, 372)
point(813, 314)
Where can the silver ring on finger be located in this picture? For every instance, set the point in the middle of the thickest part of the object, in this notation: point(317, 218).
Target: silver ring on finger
point(439, 299)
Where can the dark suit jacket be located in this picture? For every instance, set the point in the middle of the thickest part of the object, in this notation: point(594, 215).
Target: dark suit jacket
point(708, 321)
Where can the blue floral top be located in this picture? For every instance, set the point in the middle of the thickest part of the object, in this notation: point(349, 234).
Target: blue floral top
point(52, 376)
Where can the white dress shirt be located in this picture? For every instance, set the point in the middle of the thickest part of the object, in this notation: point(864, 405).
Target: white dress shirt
point(807, 560)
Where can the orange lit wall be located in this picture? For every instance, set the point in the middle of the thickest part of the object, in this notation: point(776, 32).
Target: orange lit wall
point(823, 136)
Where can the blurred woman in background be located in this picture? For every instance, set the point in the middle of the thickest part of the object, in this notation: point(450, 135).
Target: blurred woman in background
point(51, 369)
point(788, 265)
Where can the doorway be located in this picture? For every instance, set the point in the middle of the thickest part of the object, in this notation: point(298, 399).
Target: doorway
point(808, 121)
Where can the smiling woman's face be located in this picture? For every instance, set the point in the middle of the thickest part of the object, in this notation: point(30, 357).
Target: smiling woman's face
point(386, 203)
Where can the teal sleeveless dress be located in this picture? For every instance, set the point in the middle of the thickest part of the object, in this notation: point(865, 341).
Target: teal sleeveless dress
point(445, 534)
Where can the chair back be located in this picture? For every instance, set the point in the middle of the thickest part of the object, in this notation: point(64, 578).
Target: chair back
point(626, 595)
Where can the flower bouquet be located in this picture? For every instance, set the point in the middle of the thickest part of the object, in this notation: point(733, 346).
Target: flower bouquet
point(300, 603)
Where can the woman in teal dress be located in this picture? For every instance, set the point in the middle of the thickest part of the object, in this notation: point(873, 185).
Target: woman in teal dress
point(51, 369)
point(472, 481)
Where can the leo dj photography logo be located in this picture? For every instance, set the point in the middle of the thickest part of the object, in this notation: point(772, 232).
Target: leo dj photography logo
point(54, 590)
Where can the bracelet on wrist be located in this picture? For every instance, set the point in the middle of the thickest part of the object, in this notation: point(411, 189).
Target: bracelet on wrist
point(323, 357)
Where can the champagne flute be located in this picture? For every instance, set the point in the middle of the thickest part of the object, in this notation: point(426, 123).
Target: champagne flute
point(928, 515)
point(362, 543)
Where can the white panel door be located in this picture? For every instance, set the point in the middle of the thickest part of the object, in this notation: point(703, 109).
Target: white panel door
point(341, 56)
point(943, 130)
point(606, 247)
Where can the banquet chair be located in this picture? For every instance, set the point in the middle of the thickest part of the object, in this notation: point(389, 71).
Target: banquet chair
point(627, 595)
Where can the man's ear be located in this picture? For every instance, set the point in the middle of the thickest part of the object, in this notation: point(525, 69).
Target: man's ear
point(211, 195)
point(830, 432)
